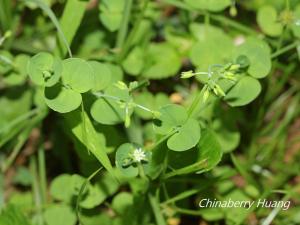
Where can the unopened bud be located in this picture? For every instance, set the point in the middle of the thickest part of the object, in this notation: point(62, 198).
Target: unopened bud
point(187, 74)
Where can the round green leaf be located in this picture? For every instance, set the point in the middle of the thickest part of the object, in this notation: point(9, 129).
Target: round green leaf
point(123, 153)
point(245, 91)
point(102, 75)
point(122, 202)
point(171, 116)
point(61, 189)
point(153, 102)
point(134, 62)
point(111, 13)
point(62, 99)
point(258, 53)
point(59, 215)
point(116, 72)
point(213, 46)
point(186, 138)
point(78, 74)
point(162, 61)
point(44, 69)
point(267, 19)
point(211, 5)
point(107, 110)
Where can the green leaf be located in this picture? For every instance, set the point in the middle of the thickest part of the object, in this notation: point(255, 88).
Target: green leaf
point(122, 202)
point(12, 215)
point(44, 69)
point(19, 74)
point(153, 102)
point(78, 74)
point(62, 99)
point(171, 117)
point(244, 92)
point(102, 75)
point(109, 111)
point(267, 19)
point(209, 150)
point(211, 5)
point(54, 20)
point(187, 136)
point(6, 60)
point(162, 61)
point(258, 53)
point(124, 154)
point(213, 46)
point(61, 188)
point(70, 22)
point(111, 13)
point(134, 62)
point(117, 73)
point(91, 141)
point(296, 25)
point(59, 215)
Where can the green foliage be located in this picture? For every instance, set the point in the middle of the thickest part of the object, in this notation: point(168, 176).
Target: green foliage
point(159, 104)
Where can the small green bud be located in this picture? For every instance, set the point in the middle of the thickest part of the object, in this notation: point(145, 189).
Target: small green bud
point(233, 11)
point(205, 95)
point(133, 85)
point(219, 90)
point(234, 67)
point(187, 74)
point(121, 85)
point(127, 121)
point(156, 114)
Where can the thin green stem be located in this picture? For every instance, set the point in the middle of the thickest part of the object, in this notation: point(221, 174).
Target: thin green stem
point(124, 26)
point(156, 209)
point(285, 49)
point(42, 173)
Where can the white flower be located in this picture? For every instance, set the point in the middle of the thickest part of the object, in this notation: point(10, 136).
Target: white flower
point(139, 155)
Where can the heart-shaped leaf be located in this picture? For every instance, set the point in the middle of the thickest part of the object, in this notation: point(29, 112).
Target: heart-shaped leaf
point(187, 136)
point(111, 13)
point(213, 46)
point(44, 69)
point(162, 61)
point(134, 62)
point(102, 75)
point(267, 19)
point(171, 116)
point(59, 215)
point(78, 75)
point(62, 99)
point(106, 110)
point(153, 102)
point(258, 53)
point(245, 91)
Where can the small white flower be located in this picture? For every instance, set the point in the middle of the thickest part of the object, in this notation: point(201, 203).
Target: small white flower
point(139, 155)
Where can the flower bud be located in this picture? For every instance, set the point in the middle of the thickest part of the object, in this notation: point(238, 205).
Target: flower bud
point(187, 74)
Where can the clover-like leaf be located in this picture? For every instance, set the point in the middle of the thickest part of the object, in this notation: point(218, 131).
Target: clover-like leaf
point(187, 137)
point(62, 99)
point(107, 110)
point(153, 102)
point(44, 69)
point(162, 61)
point(78, 75)
point(111, 13)
point(102, 75)
point(171, 117)
point(211, 5)
point(6, 61)
point(267, 19)
point(59, 215)
point(258, 54)
point(128, 158)
point(245, 91)
point(213, 46)
point(134, 62)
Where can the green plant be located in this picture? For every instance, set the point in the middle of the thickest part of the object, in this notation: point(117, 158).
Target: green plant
point(147, 140)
